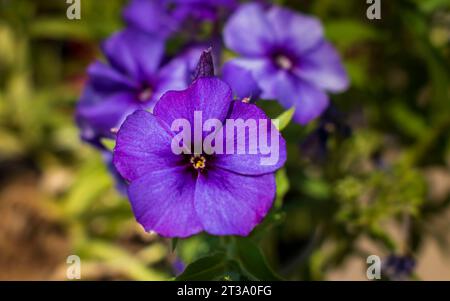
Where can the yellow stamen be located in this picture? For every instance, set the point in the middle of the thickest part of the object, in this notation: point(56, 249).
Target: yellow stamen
point(199, 162)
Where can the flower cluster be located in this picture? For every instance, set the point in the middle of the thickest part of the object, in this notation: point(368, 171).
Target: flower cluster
point(142, 87)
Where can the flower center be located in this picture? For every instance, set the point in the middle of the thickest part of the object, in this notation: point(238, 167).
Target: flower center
point(145, 94)
point(198, 162)
point(284, 62)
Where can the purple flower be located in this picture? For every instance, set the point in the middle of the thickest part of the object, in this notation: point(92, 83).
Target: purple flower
point(181, 195)
point(134, 78)
point(285, 55)
point(164, 17)
point(332, 124)
point(398, 267)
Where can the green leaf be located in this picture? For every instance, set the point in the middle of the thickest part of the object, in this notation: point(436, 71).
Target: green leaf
point(206, 268)
point(174, 244)
point(285, 118)
point(110, 144)
point(348, 32)
point(58, 28)
point(253, 262)
point(93, 180)
point(282, 186)
point(407, 121)
point(119, 259)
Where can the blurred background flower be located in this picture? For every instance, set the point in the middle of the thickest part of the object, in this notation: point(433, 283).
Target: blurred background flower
point(134, 79)
point(287, 57)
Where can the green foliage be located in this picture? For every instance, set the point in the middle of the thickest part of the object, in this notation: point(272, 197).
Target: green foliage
point(285, 118)
point(213, 267)
point(252, 261)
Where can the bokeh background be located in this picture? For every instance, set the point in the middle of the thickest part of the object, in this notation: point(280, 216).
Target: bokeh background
point(370, 177)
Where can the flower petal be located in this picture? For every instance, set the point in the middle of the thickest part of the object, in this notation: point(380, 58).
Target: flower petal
point(323, 67)
point(245, 162)
point(173, 76)
point(232, 204)
point(309, 101)
point(97, 114)
point(248, 31)
point(104, 78)
point(297, 31)
point(143, 145)
point(241, 80)
point(151, 16)
point(163, 202)
point(134, 53)
point(211, 96)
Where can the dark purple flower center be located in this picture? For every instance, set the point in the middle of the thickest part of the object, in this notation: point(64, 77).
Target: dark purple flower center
point(145, 93)
point(198, 162)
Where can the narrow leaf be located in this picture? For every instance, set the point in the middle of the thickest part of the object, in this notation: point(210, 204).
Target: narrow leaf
point(284, 118)
point(206, 268)
point(282, 181)
point(109, 143)
point(174, 244)
point(253, 261)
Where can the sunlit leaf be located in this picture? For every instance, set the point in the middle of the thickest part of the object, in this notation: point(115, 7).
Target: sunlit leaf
point(110, 144)
point(282, 186)
point(285, 118)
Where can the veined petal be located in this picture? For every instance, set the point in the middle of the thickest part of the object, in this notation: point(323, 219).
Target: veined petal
point(211, 96)
point(231, 204)
point(247, 163)
point(143, 145)
point(163, 202)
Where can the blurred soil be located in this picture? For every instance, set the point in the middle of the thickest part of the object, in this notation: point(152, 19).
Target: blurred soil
point(32, 242)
